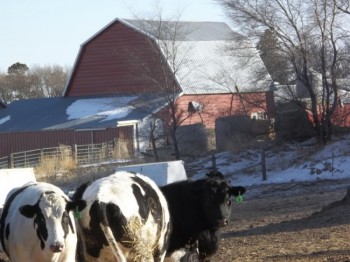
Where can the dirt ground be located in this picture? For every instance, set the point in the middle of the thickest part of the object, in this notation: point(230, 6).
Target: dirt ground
point(291, 222)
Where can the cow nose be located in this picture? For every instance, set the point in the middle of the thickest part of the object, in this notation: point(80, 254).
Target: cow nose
point(56, 247)
point(223, 222)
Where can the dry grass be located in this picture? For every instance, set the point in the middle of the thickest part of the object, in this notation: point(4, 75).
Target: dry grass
point(62, 163)
point(122, 148)
point(141, 240)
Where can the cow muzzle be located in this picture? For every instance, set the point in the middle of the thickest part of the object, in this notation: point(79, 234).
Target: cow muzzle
point(222, 222)
point(56, 247)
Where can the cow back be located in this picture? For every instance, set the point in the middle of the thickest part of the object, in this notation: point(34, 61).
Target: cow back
point(126, 217)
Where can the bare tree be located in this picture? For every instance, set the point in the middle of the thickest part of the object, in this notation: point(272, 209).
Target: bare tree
point(21, 82)
point(49, 81)
point(310, 35)
point(165, 42)
point(343, 5)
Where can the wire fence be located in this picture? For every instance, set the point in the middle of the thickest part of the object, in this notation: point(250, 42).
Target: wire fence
point(82, 154)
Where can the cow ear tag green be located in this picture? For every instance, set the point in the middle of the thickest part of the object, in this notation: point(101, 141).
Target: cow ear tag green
point(239, 198)
point(77, 213)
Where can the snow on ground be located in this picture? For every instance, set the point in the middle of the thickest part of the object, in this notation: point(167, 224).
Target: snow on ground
point(293, 162)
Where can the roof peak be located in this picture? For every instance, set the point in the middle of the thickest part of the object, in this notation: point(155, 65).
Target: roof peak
point(184, 30)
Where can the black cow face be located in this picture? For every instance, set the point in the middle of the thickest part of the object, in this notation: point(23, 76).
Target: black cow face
point(217, 202)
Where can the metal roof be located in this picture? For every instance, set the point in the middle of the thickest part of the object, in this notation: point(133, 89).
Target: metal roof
point(184, 31)
point(209, 56)
point(76, 112)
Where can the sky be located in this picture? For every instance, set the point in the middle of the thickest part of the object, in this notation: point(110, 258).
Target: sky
point(50, 32)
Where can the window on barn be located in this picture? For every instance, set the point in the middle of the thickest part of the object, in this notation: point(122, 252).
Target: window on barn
point(258, 116)
point(194, 107)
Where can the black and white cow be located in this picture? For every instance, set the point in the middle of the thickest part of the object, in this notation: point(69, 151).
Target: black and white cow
point(126, 219)
point(198, 209)
point(37, 224)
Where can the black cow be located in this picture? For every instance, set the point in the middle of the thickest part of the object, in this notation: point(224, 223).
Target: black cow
point(198, 209)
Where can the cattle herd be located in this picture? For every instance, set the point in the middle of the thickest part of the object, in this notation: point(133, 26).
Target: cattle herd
point(121, 217)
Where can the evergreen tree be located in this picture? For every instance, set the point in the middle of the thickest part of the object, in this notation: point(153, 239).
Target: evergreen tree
point(275, 63)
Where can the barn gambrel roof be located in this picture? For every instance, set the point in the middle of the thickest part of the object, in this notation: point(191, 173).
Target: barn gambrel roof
point(206, 57)
point(209, 57)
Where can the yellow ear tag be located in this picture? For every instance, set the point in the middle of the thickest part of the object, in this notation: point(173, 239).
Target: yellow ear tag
point(239, 198)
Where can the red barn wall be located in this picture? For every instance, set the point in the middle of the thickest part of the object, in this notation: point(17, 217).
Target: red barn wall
point(341, 116)
point(117, 60)
point(221, 105)
point(23, 141)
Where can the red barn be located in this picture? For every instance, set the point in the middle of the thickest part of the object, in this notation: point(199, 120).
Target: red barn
point(139, 69)
point(204, 68)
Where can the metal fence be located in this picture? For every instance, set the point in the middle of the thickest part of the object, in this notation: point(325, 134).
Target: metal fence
point(82, 154)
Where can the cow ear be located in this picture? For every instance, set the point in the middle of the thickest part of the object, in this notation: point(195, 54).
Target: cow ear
point(236, 190)
point(28, 211)
point(77, 204)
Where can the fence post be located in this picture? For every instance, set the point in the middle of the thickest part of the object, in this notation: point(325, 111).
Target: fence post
point(263, 164)
point(11, 160)
point(213, 161)
point(75, 153)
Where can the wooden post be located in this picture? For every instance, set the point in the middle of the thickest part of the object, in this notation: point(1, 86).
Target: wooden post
point(213, 161)
point(263, 164)
point(75, 153)
point(9, 164)
point(11, 161)
point(332, 167)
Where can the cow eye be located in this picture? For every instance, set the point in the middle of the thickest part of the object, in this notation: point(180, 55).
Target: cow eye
point(229, 202)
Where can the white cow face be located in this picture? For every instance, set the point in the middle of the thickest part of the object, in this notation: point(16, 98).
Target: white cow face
point(52, 221)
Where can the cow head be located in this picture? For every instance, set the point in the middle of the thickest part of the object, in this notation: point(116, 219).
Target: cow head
point(217, 200)
point(215, 173)
point(52, 220)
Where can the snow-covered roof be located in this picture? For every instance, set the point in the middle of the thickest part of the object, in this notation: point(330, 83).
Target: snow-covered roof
point(77, 112)
point(183, 30)
point(213, 68)
point(207, 57)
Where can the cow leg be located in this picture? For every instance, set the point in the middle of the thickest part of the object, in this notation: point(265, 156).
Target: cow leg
point(118, 253)
point(113, 212)
point(208, 244)
point(158, 255)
